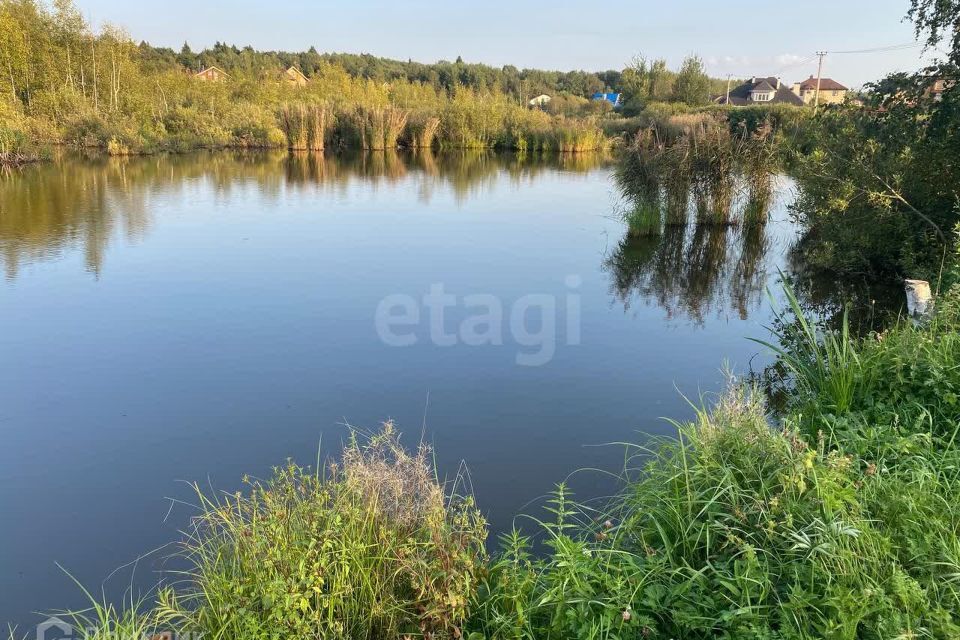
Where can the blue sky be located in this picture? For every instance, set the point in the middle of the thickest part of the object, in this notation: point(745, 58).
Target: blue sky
point(742, 38)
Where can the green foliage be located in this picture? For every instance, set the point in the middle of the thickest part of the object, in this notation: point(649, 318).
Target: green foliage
point(825, 367)
point(877, 193)
point(841, 524)
point(64, 83)
point(938, 20)
point(880, 190)
point(696, 156)
point(644, 82)
point(692, 84)
point(374, 550)
point(733, 531)
point(905, 378)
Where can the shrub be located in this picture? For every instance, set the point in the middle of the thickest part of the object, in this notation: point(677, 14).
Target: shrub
point(375, 549)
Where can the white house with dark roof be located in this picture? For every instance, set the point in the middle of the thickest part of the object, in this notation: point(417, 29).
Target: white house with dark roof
point(760, 91)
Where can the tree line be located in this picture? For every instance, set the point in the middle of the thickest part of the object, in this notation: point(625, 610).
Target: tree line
point(62, 81)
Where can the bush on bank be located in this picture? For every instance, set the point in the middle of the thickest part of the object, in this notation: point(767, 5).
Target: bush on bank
point(371, 548)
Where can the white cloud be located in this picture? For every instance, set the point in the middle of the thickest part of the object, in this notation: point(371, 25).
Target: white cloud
point(787, 58)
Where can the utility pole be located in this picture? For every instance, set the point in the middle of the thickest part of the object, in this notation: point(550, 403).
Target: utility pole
point(816, 98)
point(729, 75)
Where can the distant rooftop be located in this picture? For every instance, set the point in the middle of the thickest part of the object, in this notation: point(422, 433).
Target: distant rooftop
point(826, 84)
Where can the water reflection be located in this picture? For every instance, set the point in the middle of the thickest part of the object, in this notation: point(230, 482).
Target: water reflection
point(693, 271)
point(43, 212)
point(467, 172)
point(92, 201)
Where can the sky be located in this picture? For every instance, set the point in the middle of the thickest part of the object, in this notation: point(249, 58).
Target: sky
point(754, 37)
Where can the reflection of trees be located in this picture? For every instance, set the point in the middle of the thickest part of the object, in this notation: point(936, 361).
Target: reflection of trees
point(44, 211)
point(466, 172)
point(88, 202)
point(870, 305)
point(692, 271)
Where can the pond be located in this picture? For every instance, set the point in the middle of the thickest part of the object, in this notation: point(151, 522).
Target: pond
point(195, 318)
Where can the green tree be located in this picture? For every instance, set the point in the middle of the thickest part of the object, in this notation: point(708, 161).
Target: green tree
point(660, 82)
point(938, 20)
point(692, 85)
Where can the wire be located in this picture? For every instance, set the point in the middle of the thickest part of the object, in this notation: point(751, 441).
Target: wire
point(798, 63)
point(894, 47)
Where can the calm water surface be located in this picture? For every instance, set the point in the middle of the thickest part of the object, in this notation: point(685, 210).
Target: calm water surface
point(200, 317)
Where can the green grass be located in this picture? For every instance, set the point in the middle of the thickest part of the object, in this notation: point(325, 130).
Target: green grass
point(825, 367)
point(373, 548)
point(841, 521)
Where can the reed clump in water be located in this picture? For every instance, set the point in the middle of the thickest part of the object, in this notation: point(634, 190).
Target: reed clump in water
point(421, 131)
point(697, 158)
point(644, 219)
point(305, 126)
point(380, 128)
point(639, 183)
point(676, 174)
point(712, 159)
point(758, 160)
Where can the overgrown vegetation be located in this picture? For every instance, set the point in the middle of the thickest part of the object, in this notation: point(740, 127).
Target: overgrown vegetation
point(372, 547)
point(696, 158)
point(880, 192)
point(64, 83)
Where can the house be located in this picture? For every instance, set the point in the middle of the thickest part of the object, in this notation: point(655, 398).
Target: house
point(612, 98)
point(294, 77)
point(540, 101)
point(831, 91)
point(936, 88)
point(760, 91)
point(211, 74)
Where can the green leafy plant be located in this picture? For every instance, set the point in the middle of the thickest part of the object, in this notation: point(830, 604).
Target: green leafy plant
point(374, 549)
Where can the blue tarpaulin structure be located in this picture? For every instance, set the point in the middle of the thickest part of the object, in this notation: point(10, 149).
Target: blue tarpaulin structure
point(612, 98)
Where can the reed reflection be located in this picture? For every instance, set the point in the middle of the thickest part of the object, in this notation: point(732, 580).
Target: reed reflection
point(693, 272)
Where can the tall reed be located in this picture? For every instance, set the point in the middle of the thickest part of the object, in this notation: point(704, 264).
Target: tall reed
point(825, 365)
point(380, 127)
point(305, 126)
point(421, 131)
point(758, 162)
point(712, 167)
point(639, 182)
point(676, 174)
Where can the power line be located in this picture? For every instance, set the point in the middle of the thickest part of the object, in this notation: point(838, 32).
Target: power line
point(797, 63)
point(820, 54)
point(893, 47)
